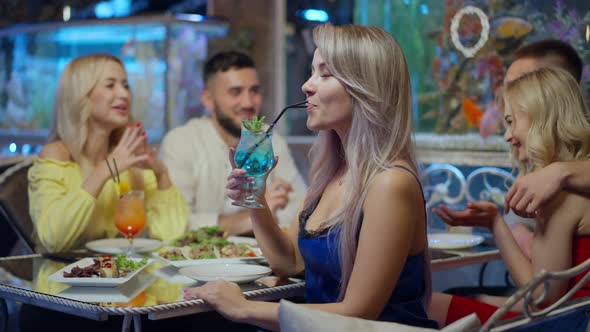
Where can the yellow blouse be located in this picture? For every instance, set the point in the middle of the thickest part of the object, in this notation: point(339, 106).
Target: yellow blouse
point(66, 216)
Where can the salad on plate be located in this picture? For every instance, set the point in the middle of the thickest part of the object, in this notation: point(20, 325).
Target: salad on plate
point(206, 243)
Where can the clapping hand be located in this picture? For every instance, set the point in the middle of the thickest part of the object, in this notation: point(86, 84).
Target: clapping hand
point(151, 162)
point(128, 152)
point(477, 214)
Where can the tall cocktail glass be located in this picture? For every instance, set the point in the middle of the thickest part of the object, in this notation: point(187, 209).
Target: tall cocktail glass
point(130, 218)
point(255, 155)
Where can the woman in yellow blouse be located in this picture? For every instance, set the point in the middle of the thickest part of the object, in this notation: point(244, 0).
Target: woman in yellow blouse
point(72, 198)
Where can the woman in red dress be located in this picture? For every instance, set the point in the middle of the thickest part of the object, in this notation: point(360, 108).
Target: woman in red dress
point(547, 121)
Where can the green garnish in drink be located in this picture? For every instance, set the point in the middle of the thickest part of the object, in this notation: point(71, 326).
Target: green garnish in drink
point(255, 124)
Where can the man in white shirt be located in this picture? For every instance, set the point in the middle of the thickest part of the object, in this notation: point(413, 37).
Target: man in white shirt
point(197, 153)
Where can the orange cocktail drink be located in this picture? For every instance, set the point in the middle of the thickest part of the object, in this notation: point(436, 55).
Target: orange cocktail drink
point(130, 218)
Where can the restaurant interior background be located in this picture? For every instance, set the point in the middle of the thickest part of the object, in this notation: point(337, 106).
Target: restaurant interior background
point(456, 58)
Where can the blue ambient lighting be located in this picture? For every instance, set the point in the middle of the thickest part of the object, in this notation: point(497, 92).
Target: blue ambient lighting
point(424, 9)
point(26, 149)
point(317, 15)
point(104, 10)
point(191, 17)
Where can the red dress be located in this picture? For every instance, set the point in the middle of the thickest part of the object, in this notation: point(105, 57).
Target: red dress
point(461, 307)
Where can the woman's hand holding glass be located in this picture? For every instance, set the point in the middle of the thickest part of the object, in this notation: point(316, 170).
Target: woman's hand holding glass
point(251, 160)
point(240, 186)
point(477, 214)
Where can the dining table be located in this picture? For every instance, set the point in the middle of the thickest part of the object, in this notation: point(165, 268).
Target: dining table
point(155, 292)
point(446, 259)
point(466, 266)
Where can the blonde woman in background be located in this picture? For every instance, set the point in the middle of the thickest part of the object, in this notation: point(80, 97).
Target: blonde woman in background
point(547, 121)
point(72, 196)
point(360, 235)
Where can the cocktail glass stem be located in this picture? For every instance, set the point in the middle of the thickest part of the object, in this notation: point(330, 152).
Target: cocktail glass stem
point(130, 250)
point(254, 190)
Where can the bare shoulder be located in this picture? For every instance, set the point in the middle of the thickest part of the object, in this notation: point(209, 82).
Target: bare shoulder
point(567, 211)
point(55, 150)
point(571, 208)
point(396, 181)
point(394, 198)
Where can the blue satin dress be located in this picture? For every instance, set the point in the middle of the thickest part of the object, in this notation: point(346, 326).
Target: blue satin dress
point(322, 277)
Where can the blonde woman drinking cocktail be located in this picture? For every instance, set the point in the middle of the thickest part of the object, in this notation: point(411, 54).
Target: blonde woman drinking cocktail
point(360, 235)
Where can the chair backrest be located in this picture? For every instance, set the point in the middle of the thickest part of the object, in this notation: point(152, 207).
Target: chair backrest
point(442, 183)
point(574, 316)
point(575, 312)
point(14, 202)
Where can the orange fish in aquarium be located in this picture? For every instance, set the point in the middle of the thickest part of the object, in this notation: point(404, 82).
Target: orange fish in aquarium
point(472, 112)
point(511, 27)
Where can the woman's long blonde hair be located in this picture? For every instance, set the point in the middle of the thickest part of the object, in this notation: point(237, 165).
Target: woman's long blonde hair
point(72, 107)
point(371, 66)
point(559, 116)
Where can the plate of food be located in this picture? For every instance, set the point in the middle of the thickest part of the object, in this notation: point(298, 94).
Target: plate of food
point(102, 271)
point(120, 245)
point(206, 245)
point(453, 240)
point(120, 294)
point(239, 273)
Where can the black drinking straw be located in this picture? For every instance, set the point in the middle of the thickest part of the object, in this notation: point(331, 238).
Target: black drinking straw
point(302, 104)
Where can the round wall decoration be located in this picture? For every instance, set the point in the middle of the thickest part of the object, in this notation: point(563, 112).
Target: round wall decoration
point(469, 52)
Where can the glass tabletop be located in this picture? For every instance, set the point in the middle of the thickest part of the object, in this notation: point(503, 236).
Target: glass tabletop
point(156, 284)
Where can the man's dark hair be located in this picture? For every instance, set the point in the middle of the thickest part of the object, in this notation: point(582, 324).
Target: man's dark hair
point(554, 52)
point(225, 61)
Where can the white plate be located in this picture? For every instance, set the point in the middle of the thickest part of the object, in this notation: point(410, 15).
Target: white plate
point(93, 282)
point(207, 261)
point(120, 294)
point(240, 273)
point(119, 246)
point(243, 240)
point(453, 240)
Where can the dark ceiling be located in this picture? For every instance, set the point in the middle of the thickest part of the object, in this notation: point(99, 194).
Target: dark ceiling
point(29, 11)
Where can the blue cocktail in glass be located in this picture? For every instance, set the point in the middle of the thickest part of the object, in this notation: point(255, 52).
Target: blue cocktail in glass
point(254, 154)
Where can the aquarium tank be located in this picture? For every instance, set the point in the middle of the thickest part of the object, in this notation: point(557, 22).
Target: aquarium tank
point(458, 50)
point(163, 55)
point(457, 53)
